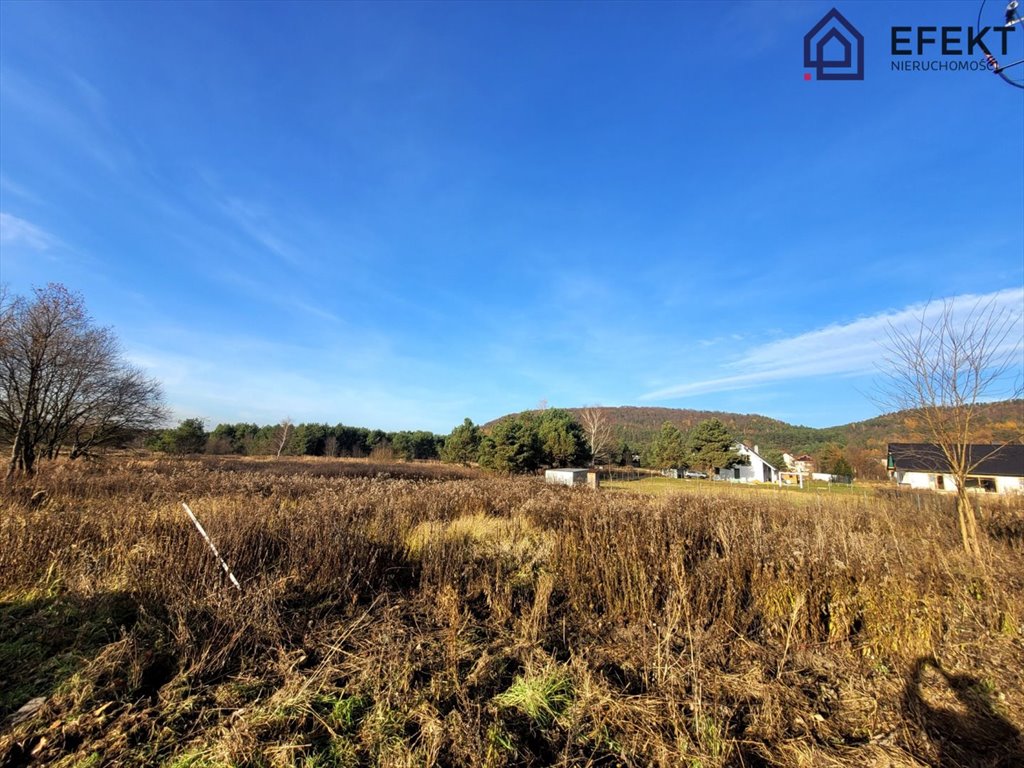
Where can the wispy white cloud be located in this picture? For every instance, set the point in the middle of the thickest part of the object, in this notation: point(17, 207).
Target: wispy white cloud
point(15, 231)
point(840, 349)
point(10, 187)
point(74, 114)
point(255, 221)
point(272, 295)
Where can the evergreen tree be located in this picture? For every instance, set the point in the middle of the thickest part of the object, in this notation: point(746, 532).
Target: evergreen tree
point(307, 440)
point(832, 460)
point(225, 438)
point(411, 445)
point(188, 437)
point(623, 455)
point(562, 440)
point(462, 446)
point(669, 449)
point(774, 457)
point(512, 446)
point(711, 447)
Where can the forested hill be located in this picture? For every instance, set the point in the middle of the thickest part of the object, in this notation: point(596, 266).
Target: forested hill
point(638, 426)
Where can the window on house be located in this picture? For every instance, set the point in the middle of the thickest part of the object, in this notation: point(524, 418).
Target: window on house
point(940, 482)
point(987, 484)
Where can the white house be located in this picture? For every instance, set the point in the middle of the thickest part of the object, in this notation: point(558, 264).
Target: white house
point(757, 471)
point(802, 465)
point(997, 469)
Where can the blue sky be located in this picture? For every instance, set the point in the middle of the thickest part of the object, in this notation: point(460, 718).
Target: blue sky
point(399, 215)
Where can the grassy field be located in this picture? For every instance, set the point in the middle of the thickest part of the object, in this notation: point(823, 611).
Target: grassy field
point(418, 615)
point(660, 486)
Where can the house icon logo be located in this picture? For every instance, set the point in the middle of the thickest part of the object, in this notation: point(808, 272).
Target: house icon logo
point(834, 49)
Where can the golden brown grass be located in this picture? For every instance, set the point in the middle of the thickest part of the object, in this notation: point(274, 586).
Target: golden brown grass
point(421, 615)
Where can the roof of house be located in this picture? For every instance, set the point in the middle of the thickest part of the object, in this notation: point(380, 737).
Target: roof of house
point(1002, 460)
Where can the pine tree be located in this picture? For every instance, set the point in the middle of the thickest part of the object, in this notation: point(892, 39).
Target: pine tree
point(711, 447)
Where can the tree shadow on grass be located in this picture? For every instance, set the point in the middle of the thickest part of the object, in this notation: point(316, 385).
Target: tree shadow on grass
point(45, 640)
point(961, 718)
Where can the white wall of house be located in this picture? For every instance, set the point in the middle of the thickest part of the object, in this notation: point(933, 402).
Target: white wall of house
point(758, 471)
point(1010, 485)
point(925, 481)
point(931, 481)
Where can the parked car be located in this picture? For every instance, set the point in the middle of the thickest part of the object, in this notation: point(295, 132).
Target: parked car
point(692, 474)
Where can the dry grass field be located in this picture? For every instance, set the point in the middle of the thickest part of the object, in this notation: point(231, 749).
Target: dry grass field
point(415, 615)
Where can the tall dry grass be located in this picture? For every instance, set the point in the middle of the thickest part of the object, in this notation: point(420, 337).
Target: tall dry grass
point(411, 615)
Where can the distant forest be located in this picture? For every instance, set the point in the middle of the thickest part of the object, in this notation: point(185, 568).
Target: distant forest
point(285, 438)
point(996, 422)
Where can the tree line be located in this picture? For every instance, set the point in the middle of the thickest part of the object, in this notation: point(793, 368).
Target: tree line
point(522, 443)
point(285, 438)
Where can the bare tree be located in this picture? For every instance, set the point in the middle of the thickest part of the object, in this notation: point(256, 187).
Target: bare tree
point(284, 430)
point(942, 367)
point(120, 404)
point(331, 446)
point(594, 420)
point(63, 381)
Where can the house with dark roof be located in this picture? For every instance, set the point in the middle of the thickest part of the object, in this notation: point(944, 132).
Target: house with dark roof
point(995, 468)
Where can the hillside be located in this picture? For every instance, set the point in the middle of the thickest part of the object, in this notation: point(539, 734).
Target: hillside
point(638, 426)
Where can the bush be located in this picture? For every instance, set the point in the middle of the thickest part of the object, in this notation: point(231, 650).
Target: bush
point(188, 437)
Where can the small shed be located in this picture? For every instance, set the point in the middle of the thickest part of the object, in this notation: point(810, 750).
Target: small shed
point(569, 476)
